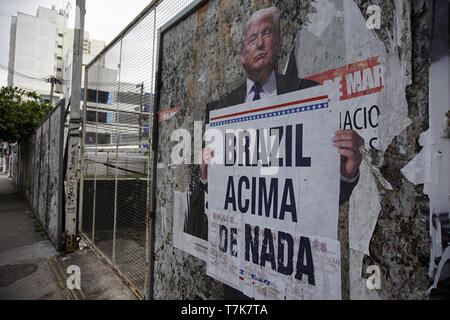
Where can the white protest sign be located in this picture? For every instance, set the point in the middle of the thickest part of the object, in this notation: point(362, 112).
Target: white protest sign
point(274, 197)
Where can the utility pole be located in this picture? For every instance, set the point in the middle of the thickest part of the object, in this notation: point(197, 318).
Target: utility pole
point(52, 82)
point(74, 130)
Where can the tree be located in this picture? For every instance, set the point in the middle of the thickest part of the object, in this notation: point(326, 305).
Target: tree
point(20, 113)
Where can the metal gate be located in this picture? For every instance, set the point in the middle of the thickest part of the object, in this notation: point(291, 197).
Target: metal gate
point(115, 157)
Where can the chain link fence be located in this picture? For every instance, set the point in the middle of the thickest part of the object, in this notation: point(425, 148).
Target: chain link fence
point(117, 121)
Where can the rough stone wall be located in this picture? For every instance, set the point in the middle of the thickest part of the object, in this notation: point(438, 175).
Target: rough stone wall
point(179, 275)
point(400, 244)
point(200, 64)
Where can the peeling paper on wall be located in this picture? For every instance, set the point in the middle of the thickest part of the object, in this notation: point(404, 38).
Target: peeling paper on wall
point(392, 121)
point(324, 33)
point(362, 222)
point(417, 170)
point(358, 285)
point(320, 20)
point(444, 259)
point(182, 240)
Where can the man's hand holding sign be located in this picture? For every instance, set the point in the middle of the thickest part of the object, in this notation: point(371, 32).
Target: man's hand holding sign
point(274, 236)
point(348, 143)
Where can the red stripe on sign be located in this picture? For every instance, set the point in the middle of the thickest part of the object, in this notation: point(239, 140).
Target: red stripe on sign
point(167, 113)
point(271, 107)
point(366, 72)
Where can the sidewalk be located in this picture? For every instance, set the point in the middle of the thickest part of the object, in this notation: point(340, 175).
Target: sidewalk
point(31, 268)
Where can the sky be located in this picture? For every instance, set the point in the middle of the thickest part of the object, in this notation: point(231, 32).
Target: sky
point(104, 20)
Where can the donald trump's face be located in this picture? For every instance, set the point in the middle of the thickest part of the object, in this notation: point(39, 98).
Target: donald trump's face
point(260, 47)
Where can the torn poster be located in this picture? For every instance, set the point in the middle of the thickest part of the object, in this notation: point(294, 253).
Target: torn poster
point(354, 81)
point(183, 240)
point(274, 197)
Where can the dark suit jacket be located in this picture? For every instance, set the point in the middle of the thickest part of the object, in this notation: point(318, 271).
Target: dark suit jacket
point(196, 222)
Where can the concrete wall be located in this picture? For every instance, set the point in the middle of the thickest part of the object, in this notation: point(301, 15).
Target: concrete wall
point(37, 164)
point(400, 242)
point(385, 223)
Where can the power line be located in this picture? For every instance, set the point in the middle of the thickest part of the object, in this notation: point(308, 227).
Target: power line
point(94, 85)
point(48, 79)
point(54, 79)
point(21, 74)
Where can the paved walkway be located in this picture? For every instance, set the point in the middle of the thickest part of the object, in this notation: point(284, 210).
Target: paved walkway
point(31, 268)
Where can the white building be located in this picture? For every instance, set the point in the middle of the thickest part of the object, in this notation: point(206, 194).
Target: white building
point(40, 47)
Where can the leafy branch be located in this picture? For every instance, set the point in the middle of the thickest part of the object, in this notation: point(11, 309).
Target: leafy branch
point(20, 113)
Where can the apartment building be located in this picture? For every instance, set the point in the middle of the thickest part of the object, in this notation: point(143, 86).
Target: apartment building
point(40, 48)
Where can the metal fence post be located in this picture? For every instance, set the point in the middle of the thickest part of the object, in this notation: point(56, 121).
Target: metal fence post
point(117, 160)
point(74, 127)
point(83, 137)
point(151, 173)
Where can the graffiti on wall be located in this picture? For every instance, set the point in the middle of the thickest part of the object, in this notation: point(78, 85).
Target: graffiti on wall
point(41, 159)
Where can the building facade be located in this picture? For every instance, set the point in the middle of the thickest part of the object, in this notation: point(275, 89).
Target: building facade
point(40, 49)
